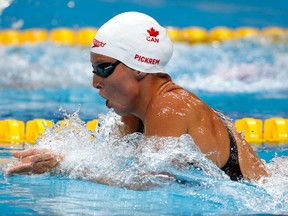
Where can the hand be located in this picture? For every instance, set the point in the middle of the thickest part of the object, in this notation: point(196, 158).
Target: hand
point(34, 161)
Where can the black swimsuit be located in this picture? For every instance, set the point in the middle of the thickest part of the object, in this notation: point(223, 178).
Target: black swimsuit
point(232, 167)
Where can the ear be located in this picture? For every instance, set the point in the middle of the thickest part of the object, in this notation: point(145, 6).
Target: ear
point(140, 75)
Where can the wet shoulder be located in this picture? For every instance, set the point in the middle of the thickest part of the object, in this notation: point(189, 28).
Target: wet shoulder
point(174, 93)
point(176, 98)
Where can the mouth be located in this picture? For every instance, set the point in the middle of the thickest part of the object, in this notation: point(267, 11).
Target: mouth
point(108, 105)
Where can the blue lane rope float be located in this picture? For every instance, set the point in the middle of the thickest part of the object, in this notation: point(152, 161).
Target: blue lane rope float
point(275, 130)
point(84, 36)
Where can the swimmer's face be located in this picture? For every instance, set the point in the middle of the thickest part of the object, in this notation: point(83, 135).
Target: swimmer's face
point(120, 88)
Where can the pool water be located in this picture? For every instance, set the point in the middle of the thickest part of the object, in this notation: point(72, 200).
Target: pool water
point(38, 79)
point(241, 78)
point(55, 195)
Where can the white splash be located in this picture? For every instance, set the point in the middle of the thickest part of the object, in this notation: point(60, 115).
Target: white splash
point(238, 66)
point(136, 162)
point(71, 4)
point(131, 161)
point(18, 24)
point(277, 184)
point(4, 4)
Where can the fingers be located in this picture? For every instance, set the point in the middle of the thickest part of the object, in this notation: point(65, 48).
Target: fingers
point(44, 166)
point(20, 169)
point(36, 161)
point(46, 156)
point(39, 167)
point(28, 152)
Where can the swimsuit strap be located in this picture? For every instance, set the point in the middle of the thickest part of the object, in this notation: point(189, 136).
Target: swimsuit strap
point(232, 167)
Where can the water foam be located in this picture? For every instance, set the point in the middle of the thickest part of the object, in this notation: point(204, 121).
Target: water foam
point(37, 65)
point(253, 65)
point(277, 184)
point(4, 4)
point(236, 66)
point(137, 162)
point(129, 161)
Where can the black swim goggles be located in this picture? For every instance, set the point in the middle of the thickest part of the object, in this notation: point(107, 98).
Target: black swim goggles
point(104, 69)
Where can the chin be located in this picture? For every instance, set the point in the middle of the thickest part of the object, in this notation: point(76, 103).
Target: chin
point(120, 112)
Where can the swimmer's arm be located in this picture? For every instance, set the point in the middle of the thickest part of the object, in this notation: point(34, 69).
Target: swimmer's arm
point(111, 182)
point(34, 161)
point(135, 185)
point(39, 161)
point(251, 165)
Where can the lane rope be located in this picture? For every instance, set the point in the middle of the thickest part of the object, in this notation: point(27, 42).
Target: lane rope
point(192, 35)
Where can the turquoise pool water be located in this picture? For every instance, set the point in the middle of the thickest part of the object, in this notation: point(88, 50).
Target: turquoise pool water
point(199, 195)
point(243, 78)
point(30, 90)
point(180, 13)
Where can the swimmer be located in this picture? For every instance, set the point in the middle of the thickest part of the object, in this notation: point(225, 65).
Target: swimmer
point(128, 55)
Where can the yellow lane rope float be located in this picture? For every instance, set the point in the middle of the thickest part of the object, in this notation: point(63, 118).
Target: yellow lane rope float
point(84, 36)
point(13, 131)
point(275, 130)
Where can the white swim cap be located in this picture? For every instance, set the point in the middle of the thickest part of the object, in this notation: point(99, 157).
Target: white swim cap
point(135, 39)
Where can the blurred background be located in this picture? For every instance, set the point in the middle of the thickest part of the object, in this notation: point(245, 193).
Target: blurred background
point(22, 14)
point(241, 72)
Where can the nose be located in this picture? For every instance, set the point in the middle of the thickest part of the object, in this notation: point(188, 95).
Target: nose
point(96, 82)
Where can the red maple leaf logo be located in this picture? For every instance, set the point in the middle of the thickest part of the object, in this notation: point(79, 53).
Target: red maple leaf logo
point(152, 32)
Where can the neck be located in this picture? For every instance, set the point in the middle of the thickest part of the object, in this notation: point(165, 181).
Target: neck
point(151, 86)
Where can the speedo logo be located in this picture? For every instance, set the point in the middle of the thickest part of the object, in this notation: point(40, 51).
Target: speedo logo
point(152, 35)
point(97, 43)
